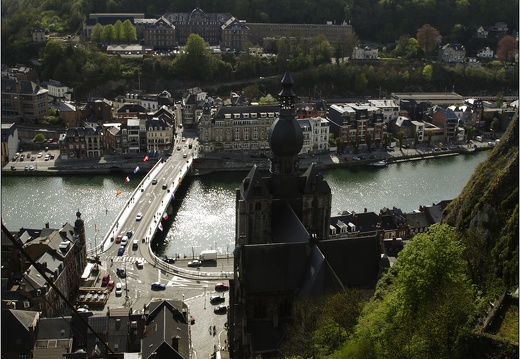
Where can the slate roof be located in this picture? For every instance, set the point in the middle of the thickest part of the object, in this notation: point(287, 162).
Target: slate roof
point(417, 220)
point(16, 325)
point(277, 267)
point(51, 328)
point(354, 261)
point(132, 108)
point(166, 320)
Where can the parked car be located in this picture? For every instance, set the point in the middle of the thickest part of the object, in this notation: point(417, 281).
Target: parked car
point(221, 287)
point(110, 285)
point(194, 263)
point(220, 309)
point(124, 241)
point(121, 272)
point(119, 289)
point(217, 299)
point(118, 238)
point(121, 251)
point(158, 286)
point(184, 155)
point(31, 167)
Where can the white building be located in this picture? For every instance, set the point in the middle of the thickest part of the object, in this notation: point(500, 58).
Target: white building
point(58, 91)
point(364, 53)
point(315, 135)
point(389, 108)
point(486, 53)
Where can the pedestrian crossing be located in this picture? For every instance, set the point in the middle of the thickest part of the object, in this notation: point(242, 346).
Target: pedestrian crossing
point(127, 259)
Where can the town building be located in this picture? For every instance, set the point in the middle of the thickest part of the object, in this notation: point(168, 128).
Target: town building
point(69, 114)
point(60, 254)
point(206, 25)
point(19, 72)
point(282, 252)
point(235, 34)
point(19, 329)
point(38, 35)
point(81, 142)
point(159, 34)
point(24, 99)
point(357, 124)
point(130, 110)
point(446, 119)
point(485, 53)
point(159, 136)
point(452, 53)
point(315, 135)
point(364, 53)
point(10, 141)
point(58, 92)
point(389, 108)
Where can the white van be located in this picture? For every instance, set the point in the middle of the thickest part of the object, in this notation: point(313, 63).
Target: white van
point(479, 138)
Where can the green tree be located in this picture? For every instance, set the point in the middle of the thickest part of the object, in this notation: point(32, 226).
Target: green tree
point(412, 48)
point(422, 307)
point(428, 72)
point(129, 32)
point(118, 31)
point(108, 35)
point(97, 33)
point(361, 82)
point(39, 138)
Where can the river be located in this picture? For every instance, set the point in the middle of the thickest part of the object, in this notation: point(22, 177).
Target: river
point(204, 207)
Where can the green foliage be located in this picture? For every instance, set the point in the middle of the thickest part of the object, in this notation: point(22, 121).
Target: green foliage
point(39, 138)
point(428, 72)
point(425, 307)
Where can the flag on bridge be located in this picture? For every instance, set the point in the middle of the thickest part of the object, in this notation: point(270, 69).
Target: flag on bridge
point(173, 196)
point(127, 179)
point(165, 216)
point(145, 158)
point(118, 192)
point(136, 169)
point(160, 226)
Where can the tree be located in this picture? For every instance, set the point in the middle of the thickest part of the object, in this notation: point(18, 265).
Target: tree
point(129, 32)
point(423, 305)
point(428, 72)
point(97, 32)
point(361, 82)
point(428, 38)
point(108, 34)
point(118, 31)
point(39, 138)
point(507, 48)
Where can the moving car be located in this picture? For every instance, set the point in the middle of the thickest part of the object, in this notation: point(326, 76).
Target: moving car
point(119, 289)
point(139, 216)
point(139, 263)
point(129, 234)
point(158, 286)
point(121, 272)
point(221, 287)
point(168, 259)
point(220, 309)
point(194, 263)
point(154, 181)
point(184, 155)
point(216, 299)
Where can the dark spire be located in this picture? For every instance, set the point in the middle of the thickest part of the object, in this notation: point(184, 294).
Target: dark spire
point(286, 136)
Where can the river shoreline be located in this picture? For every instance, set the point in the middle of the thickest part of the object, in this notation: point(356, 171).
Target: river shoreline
point(211, 163)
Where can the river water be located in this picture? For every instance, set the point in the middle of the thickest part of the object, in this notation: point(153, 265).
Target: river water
point(204, 207)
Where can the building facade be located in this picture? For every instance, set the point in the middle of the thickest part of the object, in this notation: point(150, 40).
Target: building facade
point(159, 34)
point(81, 142)
point(23, 99)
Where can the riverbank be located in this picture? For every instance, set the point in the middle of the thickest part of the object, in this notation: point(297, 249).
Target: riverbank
point(219, 162)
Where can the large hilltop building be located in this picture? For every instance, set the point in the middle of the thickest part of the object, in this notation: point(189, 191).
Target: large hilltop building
point(282, 253)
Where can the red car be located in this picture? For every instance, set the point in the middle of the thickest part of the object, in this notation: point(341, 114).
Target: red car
point(119, 238)
point(221, 287)
point(110, 285)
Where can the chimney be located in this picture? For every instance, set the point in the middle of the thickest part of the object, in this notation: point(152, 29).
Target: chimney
point(175, 342)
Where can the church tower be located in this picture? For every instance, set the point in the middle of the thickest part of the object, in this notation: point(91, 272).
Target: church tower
point(279, 220)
